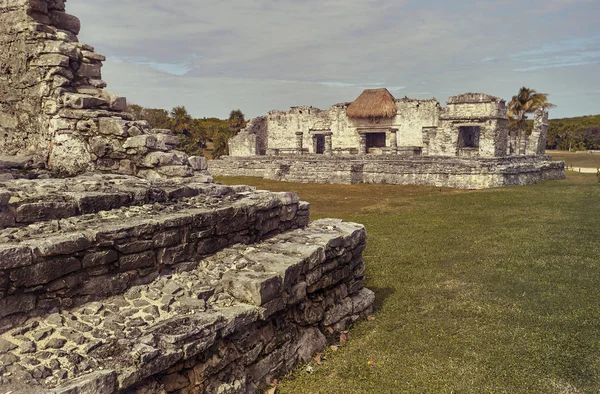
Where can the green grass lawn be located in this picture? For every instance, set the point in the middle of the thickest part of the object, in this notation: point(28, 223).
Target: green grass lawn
point(493, 291)
point(581, 159)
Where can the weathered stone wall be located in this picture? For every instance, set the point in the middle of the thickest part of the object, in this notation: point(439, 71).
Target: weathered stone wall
point(119, 284)
point(281, 127)
point(53, 104)
point(412, 116)
point(465, 173)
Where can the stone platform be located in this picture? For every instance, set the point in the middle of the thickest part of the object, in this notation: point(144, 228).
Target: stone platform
point(114, 283)
point(456, 172)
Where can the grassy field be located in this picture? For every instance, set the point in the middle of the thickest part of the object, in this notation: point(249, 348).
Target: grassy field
point(490, 291)
point(581, 159)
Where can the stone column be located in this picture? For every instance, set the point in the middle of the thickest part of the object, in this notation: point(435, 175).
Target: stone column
point(536, 145)
point(394, 141)
point(314, 142)
point(328, 143)
point(299, 137)
point(362, 147)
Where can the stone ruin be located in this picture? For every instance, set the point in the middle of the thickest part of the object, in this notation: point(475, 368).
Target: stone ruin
point(55, 110)
point(158, 283)
point(379, 139)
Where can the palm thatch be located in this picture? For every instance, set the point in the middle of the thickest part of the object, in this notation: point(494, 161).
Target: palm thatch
point(373, 103)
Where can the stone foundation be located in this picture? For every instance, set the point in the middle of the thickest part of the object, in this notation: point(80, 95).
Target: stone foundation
point(456, 172)
point(118, 284)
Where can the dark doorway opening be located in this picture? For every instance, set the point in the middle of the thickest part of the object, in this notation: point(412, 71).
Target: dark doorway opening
point(375, 140)
point(468, 137)
point(320, 148)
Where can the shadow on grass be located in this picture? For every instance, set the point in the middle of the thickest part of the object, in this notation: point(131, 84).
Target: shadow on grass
point(381, 294)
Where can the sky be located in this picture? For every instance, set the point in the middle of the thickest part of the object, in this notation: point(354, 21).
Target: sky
point(212, 56)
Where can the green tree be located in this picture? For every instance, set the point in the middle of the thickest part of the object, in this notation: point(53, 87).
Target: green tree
point(237, 121)
point(158, 118)
point(527, 101)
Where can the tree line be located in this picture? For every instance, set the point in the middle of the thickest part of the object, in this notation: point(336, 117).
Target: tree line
point(196, 135)
point(580, 133)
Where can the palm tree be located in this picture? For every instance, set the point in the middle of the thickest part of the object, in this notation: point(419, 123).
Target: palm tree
point(525, 102)
point(181, 120)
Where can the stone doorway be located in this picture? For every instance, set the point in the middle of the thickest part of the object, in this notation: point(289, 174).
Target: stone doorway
point(375, 140)
point(319, 144)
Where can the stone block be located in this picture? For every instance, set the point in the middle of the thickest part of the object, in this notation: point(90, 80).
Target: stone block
point(63, 48)
point(5, 196)
point(112, 126)
point(39, 211)
point(135, 261)
point(256, 288)
point(175, 254)
point(58, 5)
point(70, 155)
point(311, 342)
point(198, 163)
point(60, 245)
point(96, 202)
point(93, 56)
point(82, 101)
point(60, 124)
point(167, 140)
point(168, 238)
point(362, 300)
point(13, 256)
point(7, 217)
point(100, 382)
point(115, 102)
point(140, 141)
point(51, 60)
point(134, 247)
point(99, 258)
point(44, 271)
point(65, 21)
point(21, 303)
point(156, 159)
point(338, 311)
point(87, 70)
point(180, 171)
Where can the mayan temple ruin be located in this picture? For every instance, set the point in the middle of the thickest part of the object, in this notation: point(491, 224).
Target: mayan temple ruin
point(138, 274)
point(380, 139)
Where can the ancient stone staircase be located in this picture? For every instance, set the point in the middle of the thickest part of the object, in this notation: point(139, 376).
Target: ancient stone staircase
point(114, 283)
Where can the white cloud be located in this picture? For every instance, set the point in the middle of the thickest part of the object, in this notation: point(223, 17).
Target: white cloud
point(262, 54)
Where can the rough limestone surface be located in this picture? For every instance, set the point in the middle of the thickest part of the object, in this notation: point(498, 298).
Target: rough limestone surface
point(465, 144)
point(55, 110)
point(112, 283)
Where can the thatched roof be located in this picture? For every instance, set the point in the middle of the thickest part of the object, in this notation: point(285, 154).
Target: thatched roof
point(373, 103)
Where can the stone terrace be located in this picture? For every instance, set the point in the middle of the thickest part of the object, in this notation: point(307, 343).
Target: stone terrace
point(113, 283)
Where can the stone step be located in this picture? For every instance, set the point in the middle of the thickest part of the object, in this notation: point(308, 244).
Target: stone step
point(223, 314)
point(23, 201)
point(67, 262)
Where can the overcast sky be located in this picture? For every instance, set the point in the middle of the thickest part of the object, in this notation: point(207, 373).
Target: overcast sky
point(256, 55)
